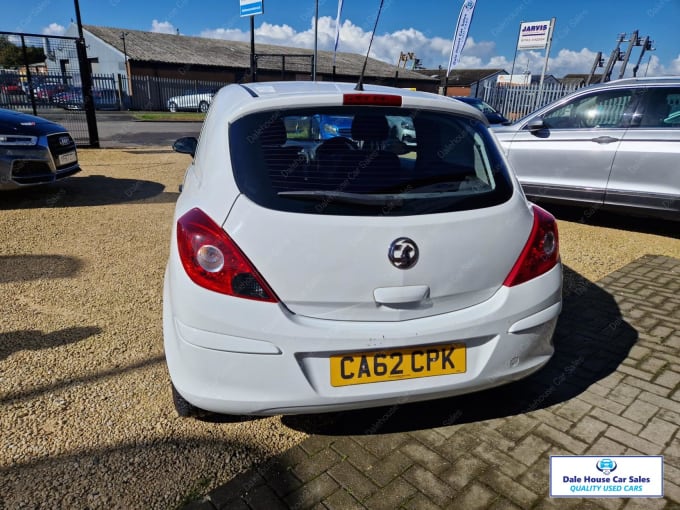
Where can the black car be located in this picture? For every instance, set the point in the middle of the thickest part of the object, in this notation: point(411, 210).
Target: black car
point(34, 151)
point(491, 114)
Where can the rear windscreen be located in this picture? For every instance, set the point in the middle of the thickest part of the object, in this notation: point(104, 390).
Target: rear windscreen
point(367, 161)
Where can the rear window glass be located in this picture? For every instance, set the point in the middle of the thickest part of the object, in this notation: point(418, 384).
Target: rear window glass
point(367, 161)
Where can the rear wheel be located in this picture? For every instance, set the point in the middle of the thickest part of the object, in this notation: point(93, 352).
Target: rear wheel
point(183, 408)
point(172, 107)
point(203, 107)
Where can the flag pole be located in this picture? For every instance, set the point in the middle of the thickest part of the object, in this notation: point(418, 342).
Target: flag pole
point(337, 34)
point(539, 96)
point(316, 38)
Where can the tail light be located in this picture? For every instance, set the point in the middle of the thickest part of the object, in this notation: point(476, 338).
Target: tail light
point(214, 261)
point(541, 252)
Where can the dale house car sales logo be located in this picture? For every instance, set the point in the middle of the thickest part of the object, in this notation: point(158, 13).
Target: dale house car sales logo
point(590, 476)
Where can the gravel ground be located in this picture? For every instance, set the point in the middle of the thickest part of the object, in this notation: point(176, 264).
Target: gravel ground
point(85, 406)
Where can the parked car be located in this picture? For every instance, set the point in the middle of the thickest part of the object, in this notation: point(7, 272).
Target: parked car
point(45, 92)
point(325, 127)
point(492, 115)
point(11, 92)
point(192, 100)
point(12, 88)
point(72, 99)
point(298, 283)
point(402, 129)
point(613, 146)
point(10, 83)
point(34, 151)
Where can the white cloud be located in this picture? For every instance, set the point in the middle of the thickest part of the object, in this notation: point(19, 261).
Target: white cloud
point(569, 61)
point(673, 69)
point(54, 29)
point(163, 27)
point(228, 34)
point(432, 52)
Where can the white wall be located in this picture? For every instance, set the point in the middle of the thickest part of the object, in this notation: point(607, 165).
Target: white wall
point(110, 60)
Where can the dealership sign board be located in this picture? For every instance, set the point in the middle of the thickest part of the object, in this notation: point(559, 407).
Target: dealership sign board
point(589, 476)
point(523, 79)
point(251, 7)
point(533, 35)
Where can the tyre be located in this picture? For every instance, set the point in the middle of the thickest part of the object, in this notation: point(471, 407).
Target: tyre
point(183, 408)
point(203, 107)
point(172, 107)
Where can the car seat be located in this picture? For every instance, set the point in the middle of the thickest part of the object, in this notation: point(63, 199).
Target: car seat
point(286, 164)
point(370, 167)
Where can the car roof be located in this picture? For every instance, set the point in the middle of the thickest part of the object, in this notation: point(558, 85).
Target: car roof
point(646, 80)
point(468, 99)
point(271, 95)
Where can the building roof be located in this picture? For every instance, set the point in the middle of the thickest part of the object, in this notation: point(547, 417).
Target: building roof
point(462, 77)
point(188, 50)
point(579, 79)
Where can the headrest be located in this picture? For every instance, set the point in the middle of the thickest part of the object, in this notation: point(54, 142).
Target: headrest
point(370, 128)
point(273, 132)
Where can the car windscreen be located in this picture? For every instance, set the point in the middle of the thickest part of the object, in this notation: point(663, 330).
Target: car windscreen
point(367, 161)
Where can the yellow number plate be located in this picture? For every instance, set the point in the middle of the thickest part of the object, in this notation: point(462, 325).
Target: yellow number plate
point(396, 364)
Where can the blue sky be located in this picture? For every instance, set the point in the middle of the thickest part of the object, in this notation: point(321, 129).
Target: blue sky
point(424, 27)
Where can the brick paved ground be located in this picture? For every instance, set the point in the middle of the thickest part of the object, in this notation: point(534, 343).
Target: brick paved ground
point(612, 388)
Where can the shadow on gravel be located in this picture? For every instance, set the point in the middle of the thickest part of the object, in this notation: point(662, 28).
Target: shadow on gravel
point(87, 191)
point(591, 340)
point(599, 218)
point(22, 268)
point(163, 472)
point(33, 340)
point(71, 381)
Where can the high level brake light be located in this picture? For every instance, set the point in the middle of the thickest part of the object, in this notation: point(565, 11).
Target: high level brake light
point(363, 99)
point(214, 261)
point(541, 252)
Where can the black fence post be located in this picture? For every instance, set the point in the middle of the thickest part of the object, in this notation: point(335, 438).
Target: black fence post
point(86, 82)
point(29, 79)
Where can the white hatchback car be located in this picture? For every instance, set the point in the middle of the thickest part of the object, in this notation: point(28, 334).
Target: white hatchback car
point(312, 275)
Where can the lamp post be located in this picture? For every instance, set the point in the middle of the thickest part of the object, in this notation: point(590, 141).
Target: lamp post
point(127, 67)
point(122, 36)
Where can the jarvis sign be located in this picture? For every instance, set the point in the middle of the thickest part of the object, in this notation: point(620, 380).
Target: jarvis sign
point(533, 35)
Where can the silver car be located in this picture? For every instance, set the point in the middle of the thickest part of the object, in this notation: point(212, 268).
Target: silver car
point(192, 100)
point(613, 146)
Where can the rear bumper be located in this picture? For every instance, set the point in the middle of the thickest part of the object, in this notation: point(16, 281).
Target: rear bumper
point(267, 361)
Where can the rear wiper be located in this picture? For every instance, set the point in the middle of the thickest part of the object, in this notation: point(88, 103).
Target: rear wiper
point(344, 197)
point(415, 185)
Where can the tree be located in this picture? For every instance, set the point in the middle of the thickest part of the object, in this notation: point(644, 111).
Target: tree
point(12, 55)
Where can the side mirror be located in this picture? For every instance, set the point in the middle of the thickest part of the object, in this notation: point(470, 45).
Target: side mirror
point(186, 145)
point(536, 124)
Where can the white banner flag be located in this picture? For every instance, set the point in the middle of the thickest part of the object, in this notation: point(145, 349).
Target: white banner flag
point(460, 35)
point(337, 30)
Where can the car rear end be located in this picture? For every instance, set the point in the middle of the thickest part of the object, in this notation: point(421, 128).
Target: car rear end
point(381, 273)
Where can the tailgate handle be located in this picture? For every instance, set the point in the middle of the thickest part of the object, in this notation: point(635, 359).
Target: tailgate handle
point(401, 295)
point(605, 139)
